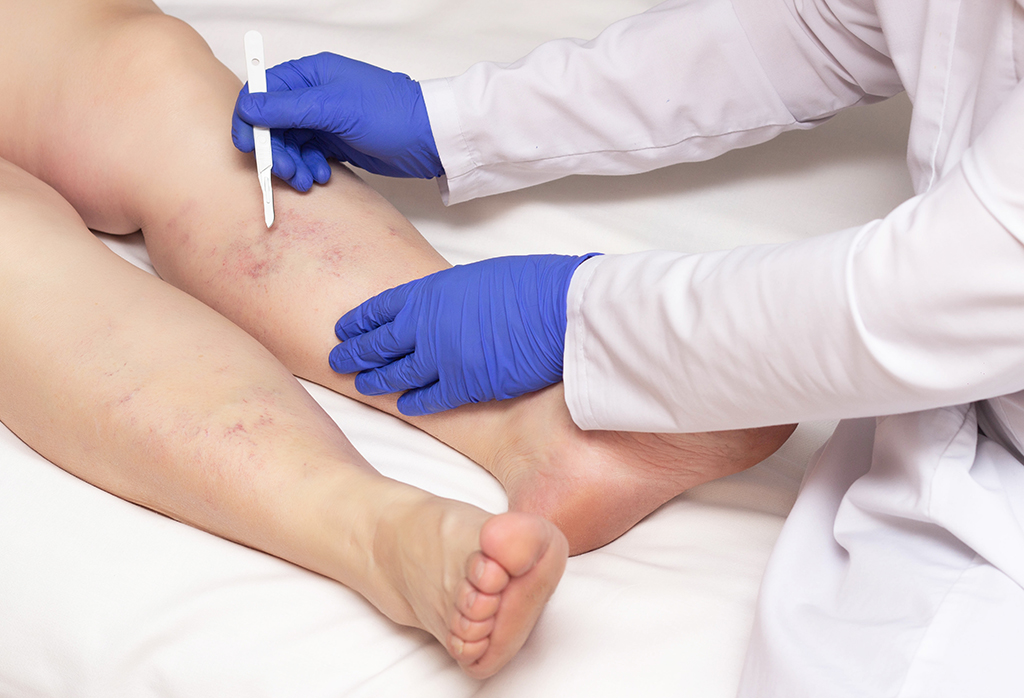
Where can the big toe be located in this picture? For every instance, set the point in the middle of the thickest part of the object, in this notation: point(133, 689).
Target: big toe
point(518, 541)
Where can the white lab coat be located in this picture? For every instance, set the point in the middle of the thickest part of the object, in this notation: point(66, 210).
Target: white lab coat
point(900, 571)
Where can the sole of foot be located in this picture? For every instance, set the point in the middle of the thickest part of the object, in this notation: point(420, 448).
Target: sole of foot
point(477, 582)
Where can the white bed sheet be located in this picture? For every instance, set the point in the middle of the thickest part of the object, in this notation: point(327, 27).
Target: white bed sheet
point(99, 597)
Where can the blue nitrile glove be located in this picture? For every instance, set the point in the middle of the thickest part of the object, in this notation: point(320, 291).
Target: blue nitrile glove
point(328, 106)
point(491, 330)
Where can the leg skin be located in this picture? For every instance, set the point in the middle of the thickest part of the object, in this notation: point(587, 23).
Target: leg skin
point(144, 391)
point(169, 168)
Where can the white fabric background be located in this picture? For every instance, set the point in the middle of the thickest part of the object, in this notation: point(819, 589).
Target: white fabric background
point(99, 597)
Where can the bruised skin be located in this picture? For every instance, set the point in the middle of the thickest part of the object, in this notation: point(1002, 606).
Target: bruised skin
point(174, 406)
point(167, 166)
point(143, 391)
point(594, 485)
point(329, 250)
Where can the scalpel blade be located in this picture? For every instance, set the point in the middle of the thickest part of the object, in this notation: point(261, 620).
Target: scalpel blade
point(257, 75)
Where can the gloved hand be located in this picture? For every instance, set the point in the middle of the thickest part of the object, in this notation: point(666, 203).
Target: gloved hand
point(328, 106)
point(491, 330)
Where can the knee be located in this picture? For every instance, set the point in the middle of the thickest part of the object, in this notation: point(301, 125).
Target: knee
point(153, 38)
point(162, 54)
point(34, 221)
point(23, 197)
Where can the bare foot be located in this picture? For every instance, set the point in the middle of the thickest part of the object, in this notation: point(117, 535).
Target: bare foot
point(474, 581)
point(596, 485)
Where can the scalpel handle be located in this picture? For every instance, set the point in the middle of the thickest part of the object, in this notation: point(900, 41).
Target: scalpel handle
point(257, 77)
point(257, 71)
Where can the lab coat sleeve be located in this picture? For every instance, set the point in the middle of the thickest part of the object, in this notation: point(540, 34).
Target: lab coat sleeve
point(922, 309)
point(683, 81)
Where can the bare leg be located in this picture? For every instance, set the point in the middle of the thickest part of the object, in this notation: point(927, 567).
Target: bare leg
point(170, 169)
point(144, 391)
point(151, 395)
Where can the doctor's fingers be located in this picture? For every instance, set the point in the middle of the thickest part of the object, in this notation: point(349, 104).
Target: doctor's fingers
point(290, 164)
point(284, 164)
point(316, 161)
point(377, 311)
point(307, 108)
point(408, 373)
point(241, 132)
point(430, 399)
point(373, 349)
point(293, 141)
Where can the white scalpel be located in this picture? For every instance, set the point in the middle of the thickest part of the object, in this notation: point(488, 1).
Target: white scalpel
point(257, 74)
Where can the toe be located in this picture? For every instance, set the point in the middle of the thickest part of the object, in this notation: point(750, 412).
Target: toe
point(471, 630)
point(466, 653)
point(485, 574)
point(474, 604)
point(515, 541)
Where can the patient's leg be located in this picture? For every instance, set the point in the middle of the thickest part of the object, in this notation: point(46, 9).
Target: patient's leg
point(144, 391)
point(154, 119)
